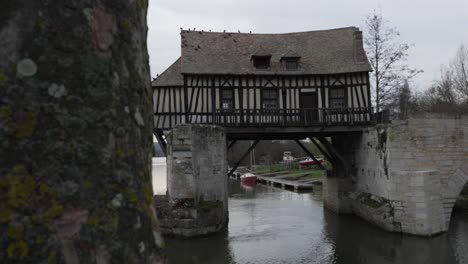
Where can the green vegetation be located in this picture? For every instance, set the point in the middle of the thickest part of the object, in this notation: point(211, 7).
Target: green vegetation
point(370, 200)
point(292, 171)
point(299, 174)
point(208, 205)
point(278, 167)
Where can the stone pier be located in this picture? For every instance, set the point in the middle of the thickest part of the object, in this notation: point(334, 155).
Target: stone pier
point(405, 176)
point(197, 192)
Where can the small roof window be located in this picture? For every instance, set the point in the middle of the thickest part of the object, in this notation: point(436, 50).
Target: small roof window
point(261, 59)
point(290, 60)
point(290, 63)
point(262, 62)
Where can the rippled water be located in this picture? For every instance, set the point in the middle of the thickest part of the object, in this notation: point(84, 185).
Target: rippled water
point(269, 225)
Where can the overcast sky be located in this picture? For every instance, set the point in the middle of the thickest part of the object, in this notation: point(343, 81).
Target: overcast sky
point(436, 28)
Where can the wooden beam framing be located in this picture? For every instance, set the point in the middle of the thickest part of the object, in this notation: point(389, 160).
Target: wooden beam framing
point(231, 144)
point(335, 153)
point(243, 157)
point(324, 152)
point(162, 143)
point(310, 154)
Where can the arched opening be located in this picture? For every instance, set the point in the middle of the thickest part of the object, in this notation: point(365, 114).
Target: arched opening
point(456, 196)
point(460, 207)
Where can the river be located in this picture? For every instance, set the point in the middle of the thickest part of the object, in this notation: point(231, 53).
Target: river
point(269, 225)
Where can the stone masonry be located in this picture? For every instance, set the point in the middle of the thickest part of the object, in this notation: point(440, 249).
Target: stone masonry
point(196, 202)
point(406, 175)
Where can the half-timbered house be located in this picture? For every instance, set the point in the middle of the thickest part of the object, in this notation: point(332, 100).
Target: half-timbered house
point(248, 83)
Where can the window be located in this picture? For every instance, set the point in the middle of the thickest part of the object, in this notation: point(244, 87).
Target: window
point(269, 99)
point(337, 98)
point(227, 99)
point(262, 62)
point(291, 64)
point(291, 61)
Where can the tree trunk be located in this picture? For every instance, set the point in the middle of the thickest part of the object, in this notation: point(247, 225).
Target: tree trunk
point(75, 133)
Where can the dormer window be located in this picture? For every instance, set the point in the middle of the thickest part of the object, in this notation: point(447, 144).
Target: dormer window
point(290, 63)
point(262, 62)
point(261, 59)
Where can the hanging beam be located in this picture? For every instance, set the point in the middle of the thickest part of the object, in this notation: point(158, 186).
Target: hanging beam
point(162, 143)
point(335, 153)
point(243, 157)
point(231, 144)
point(310, 154)
point(324, 153)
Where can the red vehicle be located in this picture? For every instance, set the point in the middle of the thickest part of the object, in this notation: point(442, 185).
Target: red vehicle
point(248, 178)
point(310, 162)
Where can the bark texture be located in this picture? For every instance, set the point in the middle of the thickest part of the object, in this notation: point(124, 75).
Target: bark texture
point(75, 133)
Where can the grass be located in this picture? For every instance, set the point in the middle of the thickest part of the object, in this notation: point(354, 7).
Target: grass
point(277, 167)
point(311, 173)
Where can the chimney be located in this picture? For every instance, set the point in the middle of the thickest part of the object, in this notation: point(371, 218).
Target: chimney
point(359, 53)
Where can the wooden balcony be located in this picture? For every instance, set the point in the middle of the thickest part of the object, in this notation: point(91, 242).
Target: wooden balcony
point(312, 117)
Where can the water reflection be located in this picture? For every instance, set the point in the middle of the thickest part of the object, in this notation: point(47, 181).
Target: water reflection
point(358, 242)
point(268, 225)
point(159, 175)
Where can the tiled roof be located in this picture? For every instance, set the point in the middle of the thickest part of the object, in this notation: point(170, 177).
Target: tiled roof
point(321, 52)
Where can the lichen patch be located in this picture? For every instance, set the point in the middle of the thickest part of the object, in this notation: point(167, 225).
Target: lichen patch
point(26, 68)
point(139, 118)
point(57, 91)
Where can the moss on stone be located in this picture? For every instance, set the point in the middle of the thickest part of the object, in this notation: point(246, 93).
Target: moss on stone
point(51, 259)
point(141, 3)
point(382, 137)
point(18, 249)
point(124, 153)
point(368, 200)
point(3, 79)
point(26, 128)
point(104, 219)
point(24, 198)
point(5, 112)
point(208, 205)
point(148, 193)
point(131, 196)
point(126, 25)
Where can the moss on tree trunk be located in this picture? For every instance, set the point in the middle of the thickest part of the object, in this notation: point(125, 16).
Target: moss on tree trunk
point(75, 133)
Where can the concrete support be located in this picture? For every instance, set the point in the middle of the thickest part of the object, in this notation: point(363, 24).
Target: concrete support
point(336, 192)
point(196, 179)
point(404, 177)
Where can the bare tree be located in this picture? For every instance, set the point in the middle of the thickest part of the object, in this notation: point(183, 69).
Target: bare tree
point(459, 67)
point(442, 95)
point(404, 100)
point(387, 58)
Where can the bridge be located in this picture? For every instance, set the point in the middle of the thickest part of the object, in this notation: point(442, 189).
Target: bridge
point(403, 176)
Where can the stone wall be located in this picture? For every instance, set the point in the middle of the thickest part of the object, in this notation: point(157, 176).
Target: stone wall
point(196, 163)
point(407, 175)
point(197, 182)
